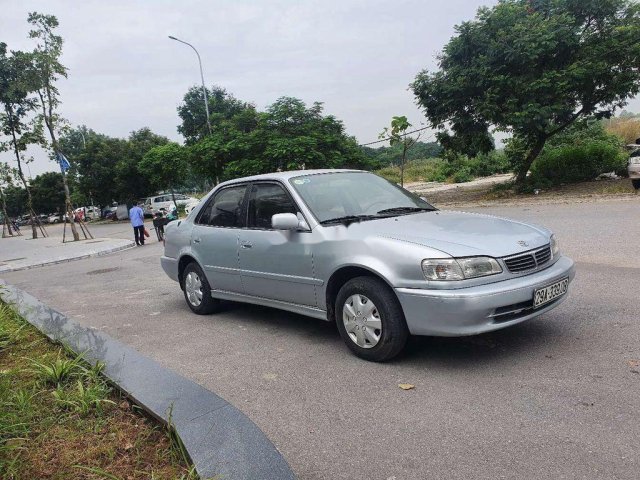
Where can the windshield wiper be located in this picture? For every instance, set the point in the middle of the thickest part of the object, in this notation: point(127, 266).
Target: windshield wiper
point(347, 219)
point(406, 210)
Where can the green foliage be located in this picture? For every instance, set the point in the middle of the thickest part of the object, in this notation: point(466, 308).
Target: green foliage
point(16, 198)
point(532, 68)
point(384, 156)
point(17, 84)
point(84, 397)
point(57, 371)
point(288, 135)
point(577, 162)
point(48, 192)
point(580, 153)
point(397, 136)
point(223, 106)
point(453, 168)
point(75, 420)
point(165, 166)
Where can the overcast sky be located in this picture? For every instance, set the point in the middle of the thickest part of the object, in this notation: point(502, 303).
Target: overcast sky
point(355, 56)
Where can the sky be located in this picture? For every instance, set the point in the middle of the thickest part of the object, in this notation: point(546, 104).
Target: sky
point(356, 56)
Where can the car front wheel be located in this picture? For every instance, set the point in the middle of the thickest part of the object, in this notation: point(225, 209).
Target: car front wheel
point(197, 291)
point(370, 319)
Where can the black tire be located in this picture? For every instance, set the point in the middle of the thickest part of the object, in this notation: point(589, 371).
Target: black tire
point(208, 304)
point(394, 332)
point(636, 183)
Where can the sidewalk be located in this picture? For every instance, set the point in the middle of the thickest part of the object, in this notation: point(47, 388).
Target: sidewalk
point(21, 253)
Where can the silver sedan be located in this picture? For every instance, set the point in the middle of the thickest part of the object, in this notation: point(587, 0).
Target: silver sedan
point(349, 247)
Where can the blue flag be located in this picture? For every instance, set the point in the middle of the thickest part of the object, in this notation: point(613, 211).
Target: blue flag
point(62, 160)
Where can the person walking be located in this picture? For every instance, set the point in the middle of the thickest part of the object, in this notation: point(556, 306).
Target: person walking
point(137, 221)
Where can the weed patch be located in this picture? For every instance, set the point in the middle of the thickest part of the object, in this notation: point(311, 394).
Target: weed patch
point(60, 419)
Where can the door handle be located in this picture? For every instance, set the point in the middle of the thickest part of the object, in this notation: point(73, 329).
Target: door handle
point(196, 240)
point(246, 245)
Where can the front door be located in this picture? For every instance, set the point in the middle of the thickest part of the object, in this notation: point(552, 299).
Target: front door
point(215, 238)
point(275, 264)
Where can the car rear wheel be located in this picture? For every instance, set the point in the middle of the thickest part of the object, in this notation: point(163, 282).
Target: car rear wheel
point(370, 319)
point(197, 291)
point(636, 183)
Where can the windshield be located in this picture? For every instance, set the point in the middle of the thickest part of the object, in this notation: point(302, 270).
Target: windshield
point(355, 194)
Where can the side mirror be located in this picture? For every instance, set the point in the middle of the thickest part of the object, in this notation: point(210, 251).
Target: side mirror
point(285, 221)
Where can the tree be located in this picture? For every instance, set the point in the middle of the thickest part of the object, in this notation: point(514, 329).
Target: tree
point(397, 135)
point(16, 85)
point(532, 68)
point(5, 181)
point(288, 135)
point(131, 185)
point(48, 192)
point(46, 57)
point(392, 155)
point(222, 106)
point(165, 166)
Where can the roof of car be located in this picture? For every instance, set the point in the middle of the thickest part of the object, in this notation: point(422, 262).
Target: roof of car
point(289, 174)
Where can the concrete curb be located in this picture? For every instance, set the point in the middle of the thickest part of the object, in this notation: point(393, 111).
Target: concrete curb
point(8, 269)
point(219, 438)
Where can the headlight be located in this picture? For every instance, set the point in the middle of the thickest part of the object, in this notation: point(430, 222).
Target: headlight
point(442, 269)
point(459, 269)
point(555, 246)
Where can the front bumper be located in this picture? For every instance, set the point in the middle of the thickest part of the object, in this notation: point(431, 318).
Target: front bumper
point(473, 310)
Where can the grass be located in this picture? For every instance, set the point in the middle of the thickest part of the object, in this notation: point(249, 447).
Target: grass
point(60, 419)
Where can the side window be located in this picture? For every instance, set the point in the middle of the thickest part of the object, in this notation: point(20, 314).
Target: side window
point(225, 210)
point(266, 200)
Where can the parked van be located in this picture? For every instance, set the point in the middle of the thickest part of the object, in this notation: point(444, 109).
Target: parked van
point(163, 203)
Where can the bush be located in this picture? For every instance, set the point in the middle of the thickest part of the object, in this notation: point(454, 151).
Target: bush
point(390, 173)
point(462, 175)
point(453, 168)
point(578, 163)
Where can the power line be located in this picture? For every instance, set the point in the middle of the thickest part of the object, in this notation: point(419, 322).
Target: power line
point(388, 138)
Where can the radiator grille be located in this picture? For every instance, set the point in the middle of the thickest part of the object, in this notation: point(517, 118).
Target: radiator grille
point(529, 260)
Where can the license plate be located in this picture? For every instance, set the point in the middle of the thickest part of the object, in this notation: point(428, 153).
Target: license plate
point(544, 295)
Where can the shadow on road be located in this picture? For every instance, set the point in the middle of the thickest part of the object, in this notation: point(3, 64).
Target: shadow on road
point(531, 338)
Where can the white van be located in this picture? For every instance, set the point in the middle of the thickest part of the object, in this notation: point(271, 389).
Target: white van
point(163, 203)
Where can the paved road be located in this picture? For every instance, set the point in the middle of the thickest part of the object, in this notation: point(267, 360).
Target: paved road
point(557, 397)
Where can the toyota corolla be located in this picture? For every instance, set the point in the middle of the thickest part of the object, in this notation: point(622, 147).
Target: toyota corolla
point(349, 247)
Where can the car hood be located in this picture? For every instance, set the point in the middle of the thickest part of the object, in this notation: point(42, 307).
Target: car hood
point(458, 234)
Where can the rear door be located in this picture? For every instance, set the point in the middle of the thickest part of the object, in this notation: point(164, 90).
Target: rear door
point(275, 264)
point(214, 238)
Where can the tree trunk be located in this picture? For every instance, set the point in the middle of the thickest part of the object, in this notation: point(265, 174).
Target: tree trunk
point(34, 230)
point(67, 195)
point(56, 150)
point(173, 197)
point(531, 156)
point(404, 154)
point(4, 214)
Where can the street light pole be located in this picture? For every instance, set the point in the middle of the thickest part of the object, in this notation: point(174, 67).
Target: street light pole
point(204, 89)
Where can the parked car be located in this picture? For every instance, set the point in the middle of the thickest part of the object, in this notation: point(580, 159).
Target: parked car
point(163, 203)
point(109, 212)
point(350, 247)
point(634, 164)
point(54, 218)
point(88, 213)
